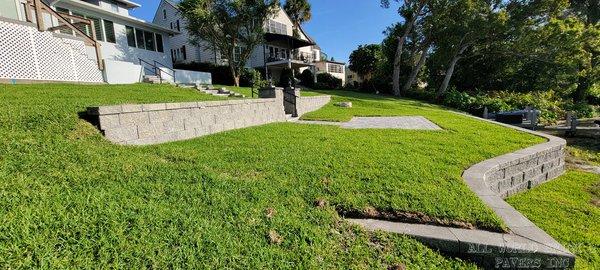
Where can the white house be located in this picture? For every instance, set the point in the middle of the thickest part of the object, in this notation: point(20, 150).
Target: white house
point(336, 69)
point(79, 40)
point(281, 48)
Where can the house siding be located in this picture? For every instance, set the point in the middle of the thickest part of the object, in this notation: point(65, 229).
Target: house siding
point(120, 50)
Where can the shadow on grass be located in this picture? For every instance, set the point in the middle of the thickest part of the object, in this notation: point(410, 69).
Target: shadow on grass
point(92, 119)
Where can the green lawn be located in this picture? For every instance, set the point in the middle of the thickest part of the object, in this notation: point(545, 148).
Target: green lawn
point(585, 149)
point(71, 199)
point(568, 209)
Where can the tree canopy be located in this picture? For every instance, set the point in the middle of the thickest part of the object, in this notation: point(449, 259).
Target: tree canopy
point(299, 12)
point(365, 60)
point(232, 27)
point(548, 48)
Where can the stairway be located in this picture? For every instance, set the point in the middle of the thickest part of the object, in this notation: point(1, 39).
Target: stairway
point(223, 92)
point(153, 79)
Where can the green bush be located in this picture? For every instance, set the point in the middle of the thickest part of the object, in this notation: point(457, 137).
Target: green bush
point(552, 106)
point(327, 81)
point(307, 78)
point(287, 77)
point(252, 77)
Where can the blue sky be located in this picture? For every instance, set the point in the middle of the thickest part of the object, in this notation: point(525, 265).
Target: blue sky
point(338, 26)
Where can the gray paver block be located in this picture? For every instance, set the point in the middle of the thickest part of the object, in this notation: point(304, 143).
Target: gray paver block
point(131, 108)
point(134, 118)
point(122, 134)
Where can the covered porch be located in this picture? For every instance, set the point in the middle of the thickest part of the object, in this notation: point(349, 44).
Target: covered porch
point(282, 52)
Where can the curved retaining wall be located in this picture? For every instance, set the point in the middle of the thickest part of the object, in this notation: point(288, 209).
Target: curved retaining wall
point(526, 245)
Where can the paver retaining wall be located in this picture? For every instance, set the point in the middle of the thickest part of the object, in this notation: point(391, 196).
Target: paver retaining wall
point(526, 170)
point(145, 124)
point(526, 245)
point(158, 123)
point(309, 104)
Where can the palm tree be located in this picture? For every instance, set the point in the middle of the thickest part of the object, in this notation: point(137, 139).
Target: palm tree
point(299, 11)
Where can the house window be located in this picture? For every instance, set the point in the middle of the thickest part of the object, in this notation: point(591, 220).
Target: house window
point(114, 6)
point(178, 28)
point(65, 11)
point(149, 38)
point(82, 27)
point(164, 14)
point(139, 37)
point(334, 68)
point(159, 43)
point(183, 53)
point(109, 31)
point(130, 36)
point(172, 54)
point(277, 27)
point(98, 28)
point(171, 25)
point(237, 53)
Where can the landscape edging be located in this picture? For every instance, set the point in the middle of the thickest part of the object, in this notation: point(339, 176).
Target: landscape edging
point(526, 245)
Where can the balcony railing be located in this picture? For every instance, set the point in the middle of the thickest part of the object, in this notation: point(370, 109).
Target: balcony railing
point(302, 57)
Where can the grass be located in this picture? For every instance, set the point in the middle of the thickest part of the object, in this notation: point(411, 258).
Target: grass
point(570, 213)
point(239, 199)
point(585, 149)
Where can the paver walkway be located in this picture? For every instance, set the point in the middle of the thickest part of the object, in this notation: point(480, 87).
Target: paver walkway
point(396, 122)
point(399, 122)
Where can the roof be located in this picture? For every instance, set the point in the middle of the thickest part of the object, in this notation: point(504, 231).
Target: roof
point(128, 3)
point(294, 42)
point(130, 19)
point(172, 3)
point(333, 62)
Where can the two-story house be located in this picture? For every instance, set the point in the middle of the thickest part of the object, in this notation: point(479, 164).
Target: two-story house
point(63, 36)
point(280, 50)
point(123, 37)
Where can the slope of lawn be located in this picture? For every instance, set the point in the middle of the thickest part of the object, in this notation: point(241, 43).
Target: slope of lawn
point(240, 199)
point(569, 212)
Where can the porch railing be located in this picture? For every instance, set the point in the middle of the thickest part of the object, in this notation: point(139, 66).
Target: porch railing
point(299, 56)
point(34, 13)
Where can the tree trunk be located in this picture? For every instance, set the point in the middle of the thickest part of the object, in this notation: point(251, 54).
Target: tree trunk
point(416, 69)
point(582, 91)
point(235, 75)
point(585, 82)
point(401, 40)
point(450, 72)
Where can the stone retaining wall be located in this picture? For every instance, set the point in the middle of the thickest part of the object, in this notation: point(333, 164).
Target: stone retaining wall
point(526, 170)
point(309, 104)
point(164, 122)
point(525, 245)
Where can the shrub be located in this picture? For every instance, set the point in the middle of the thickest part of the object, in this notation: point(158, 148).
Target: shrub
point(307, 78)
point(327, 81)
point(287, 76)
point(459, 100)
point(252, 77)
point(551, 106)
